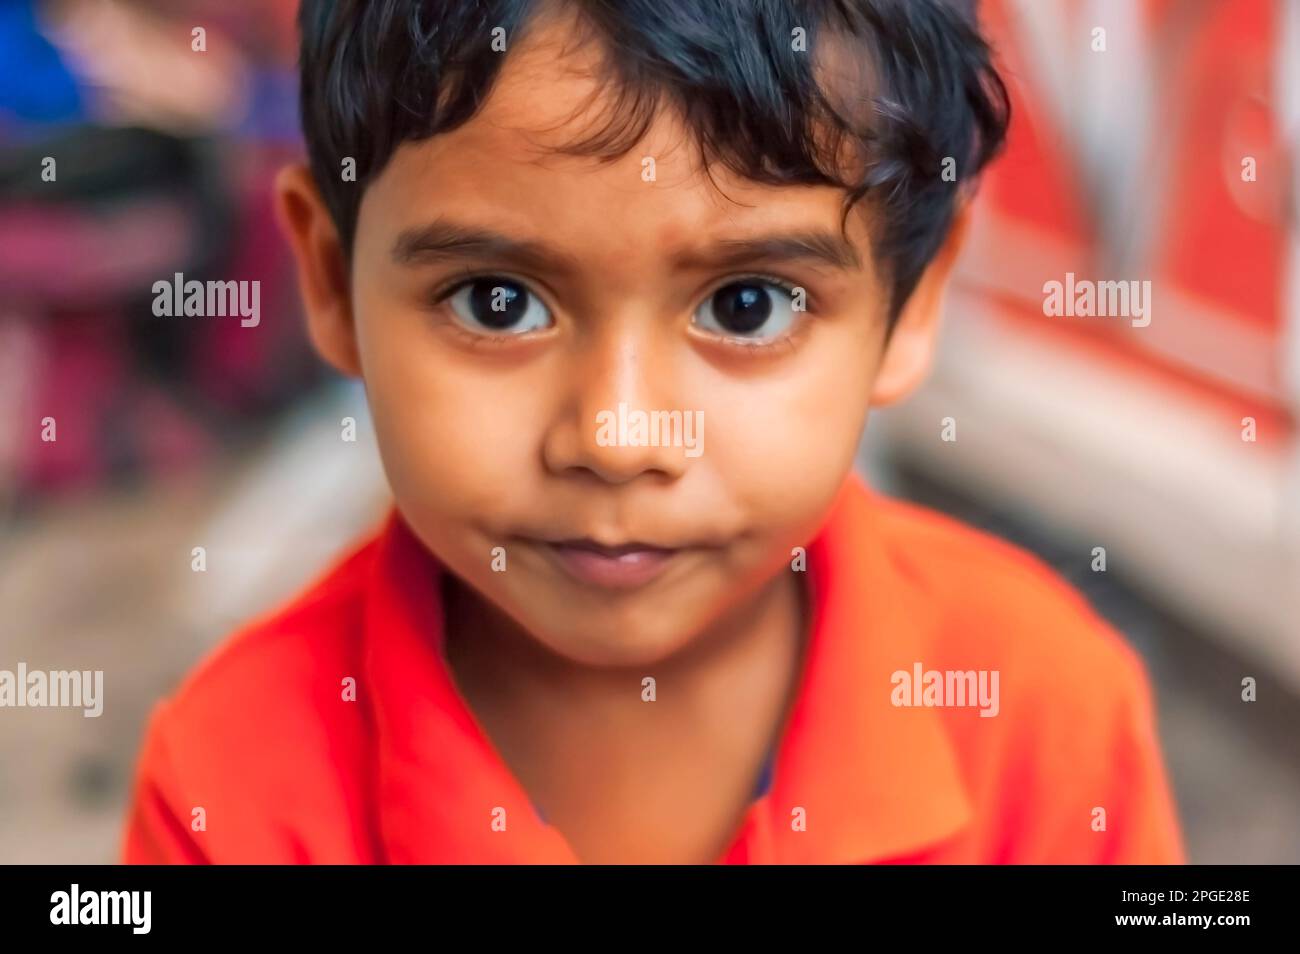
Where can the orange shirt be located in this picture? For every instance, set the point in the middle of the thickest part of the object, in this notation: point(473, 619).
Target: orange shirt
point(285, 768)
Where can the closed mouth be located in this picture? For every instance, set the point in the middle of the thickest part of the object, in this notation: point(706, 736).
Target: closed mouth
point(625, 566)
point(612, 552)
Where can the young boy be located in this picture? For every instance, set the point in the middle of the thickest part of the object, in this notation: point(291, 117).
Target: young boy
point(556, 240)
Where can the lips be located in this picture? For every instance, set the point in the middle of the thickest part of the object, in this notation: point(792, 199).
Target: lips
point(616, 567)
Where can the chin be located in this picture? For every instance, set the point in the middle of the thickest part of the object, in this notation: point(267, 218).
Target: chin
point(615, 645)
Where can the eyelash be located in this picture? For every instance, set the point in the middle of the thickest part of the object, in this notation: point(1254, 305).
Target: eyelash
point(476, 341)
point(784, 284)
point(751, 349)
point(782, 345)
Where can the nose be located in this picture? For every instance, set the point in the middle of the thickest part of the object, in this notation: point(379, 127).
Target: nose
point(614, 424)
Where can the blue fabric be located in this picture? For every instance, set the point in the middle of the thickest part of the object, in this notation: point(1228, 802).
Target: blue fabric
point(35, 85)
point(764, 777)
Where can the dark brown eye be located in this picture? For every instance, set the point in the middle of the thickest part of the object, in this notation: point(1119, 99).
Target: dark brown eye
point(751, 308)
point(497, 304)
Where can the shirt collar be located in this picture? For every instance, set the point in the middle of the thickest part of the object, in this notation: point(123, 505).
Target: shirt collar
point(873, 781)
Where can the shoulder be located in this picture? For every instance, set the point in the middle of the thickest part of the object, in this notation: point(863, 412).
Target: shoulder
point(993, 601)
point(1070, 769)
point(260, 737)
point(264, 704)
point(285, 648)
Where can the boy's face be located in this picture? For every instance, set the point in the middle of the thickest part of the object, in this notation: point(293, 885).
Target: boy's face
point(631, 283)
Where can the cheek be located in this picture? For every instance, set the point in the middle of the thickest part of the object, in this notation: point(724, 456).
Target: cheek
point(783, 445)
point(454, 441)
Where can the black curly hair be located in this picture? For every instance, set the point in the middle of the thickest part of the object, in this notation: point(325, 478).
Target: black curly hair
point(911, 84)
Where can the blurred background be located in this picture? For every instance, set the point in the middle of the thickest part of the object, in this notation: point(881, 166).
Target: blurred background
point(1073, 433)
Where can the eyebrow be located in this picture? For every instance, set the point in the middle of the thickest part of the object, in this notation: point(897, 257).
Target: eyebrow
point(443, 240)
point(826, 248)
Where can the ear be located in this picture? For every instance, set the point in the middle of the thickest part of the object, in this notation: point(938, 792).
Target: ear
point(322, 267)
point(911, 344)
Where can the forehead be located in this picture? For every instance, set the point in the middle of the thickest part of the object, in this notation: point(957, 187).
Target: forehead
point(504, 168)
